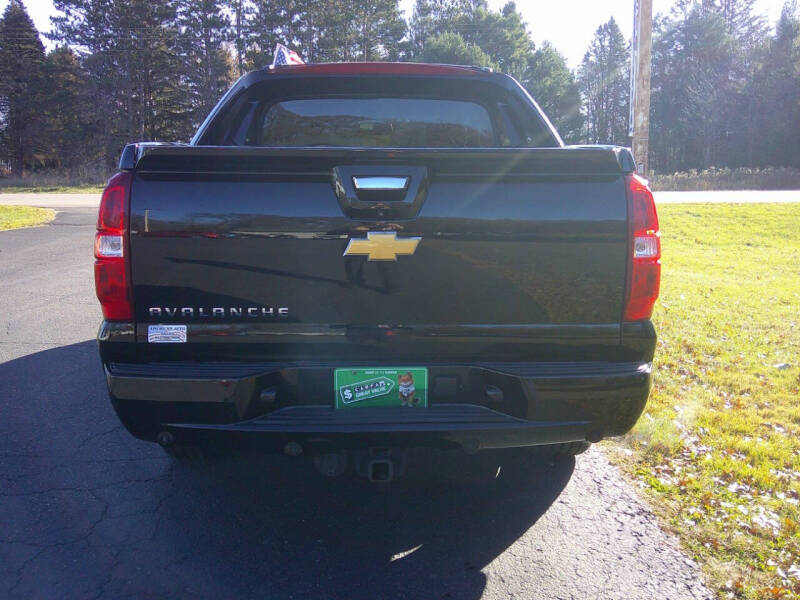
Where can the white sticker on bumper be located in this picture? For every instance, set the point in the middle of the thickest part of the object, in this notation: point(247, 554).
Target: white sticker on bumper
point(166, 334)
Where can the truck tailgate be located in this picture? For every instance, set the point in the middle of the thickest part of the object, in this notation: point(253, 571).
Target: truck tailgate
point(250, 243)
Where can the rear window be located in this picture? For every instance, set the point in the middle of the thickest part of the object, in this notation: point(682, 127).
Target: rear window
point(377, 122)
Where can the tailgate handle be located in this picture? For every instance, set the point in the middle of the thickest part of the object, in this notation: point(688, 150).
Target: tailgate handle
point(380, 183)
point(380, 191)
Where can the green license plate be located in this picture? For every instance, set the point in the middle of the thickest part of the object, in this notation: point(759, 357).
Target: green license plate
point(400, 386)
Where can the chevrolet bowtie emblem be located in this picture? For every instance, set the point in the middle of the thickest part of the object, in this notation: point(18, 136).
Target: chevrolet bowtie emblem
point(382, 246)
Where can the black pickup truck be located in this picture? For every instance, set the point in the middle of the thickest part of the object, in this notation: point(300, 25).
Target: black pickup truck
point(361, 256)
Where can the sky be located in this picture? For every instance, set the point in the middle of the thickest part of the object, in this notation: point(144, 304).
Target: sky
point(568, 24)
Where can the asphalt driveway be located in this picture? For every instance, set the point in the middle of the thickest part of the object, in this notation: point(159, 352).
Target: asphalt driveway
point(86, 511)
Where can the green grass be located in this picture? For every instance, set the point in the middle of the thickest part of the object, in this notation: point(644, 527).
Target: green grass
point(718, 448)
point(52, 189)
point(14, 217)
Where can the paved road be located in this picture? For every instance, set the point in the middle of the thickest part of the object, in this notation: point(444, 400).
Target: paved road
point(88, 512)
point(52, 200)
point(738, 197)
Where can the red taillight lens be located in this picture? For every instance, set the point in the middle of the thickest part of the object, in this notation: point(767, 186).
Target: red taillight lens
point(111, 283)
point(644, 266)
point(111, 272)
point(111, 216)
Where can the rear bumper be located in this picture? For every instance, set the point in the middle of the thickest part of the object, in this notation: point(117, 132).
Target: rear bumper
point(544, 403)
point(457, 425)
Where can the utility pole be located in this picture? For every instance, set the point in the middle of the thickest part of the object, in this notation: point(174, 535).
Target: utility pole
point(641, 49)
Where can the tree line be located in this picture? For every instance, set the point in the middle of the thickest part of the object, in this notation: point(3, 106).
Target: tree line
point(725, 85)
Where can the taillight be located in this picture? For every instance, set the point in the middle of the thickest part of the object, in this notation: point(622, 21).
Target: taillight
point(111, 269)
point(644, 261)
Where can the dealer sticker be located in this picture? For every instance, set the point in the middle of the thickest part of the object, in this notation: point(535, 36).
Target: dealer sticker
point(400, 386)
point(166, 334)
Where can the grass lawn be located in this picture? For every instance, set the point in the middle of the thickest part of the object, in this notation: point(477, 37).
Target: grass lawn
point(52, 189)
point(14, 217)
point(718, 448)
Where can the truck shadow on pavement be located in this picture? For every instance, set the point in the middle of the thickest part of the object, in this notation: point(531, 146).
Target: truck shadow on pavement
point(88, 509)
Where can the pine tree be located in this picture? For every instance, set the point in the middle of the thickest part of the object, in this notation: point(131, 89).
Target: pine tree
point(21, 89)
point(297, 24)
point(553, 86)
point(710, 81)
point(433, 17)
point(380, 28)
point(132, 62)
point(691, 91)
point(469, 32)
point(242, 14)
point(777, 84)
point(746, 31)
point(332, 37)
point(744, 24)
point(604, 78)
point(204, 61)
point(450, 48)
point(70, 123)
point(502, 34)
point(328, 30)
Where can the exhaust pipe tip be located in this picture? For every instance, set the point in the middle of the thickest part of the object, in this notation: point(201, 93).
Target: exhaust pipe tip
point(165, 439)
point(292, 449)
